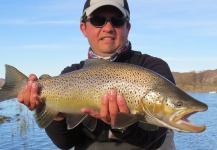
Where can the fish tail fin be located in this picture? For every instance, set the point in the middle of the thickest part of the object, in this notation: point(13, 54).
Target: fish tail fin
point(44, 115)
point(13, 84)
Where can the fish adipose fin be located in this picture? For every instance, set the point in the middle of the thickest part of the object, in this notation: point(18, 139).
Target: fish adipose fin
point(124, 120)
point(94, 62)
point(14, 83)
point(44, 115)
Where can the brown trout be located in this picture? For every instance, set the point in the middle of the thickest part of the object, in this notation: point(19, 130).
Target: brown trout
point(152, 99)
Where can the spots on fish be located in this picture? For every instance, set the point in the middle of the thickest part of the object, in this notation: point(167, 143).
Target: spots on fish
point(169, 103)
point(89, 84)
point(151, 97)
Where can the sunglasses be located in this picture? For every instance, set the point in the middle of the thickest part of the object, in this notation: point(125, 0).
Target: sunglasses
point(99, 22)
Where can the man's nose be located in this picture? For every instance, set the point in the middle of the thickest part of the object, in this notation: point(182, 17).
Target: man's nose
point(108, 27)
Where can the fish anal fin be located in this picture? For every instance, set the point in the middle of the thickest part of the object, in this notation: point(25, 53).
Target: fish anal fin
point(90, 122)
point(147, 126)
point(44, 115)
point(73, 120)
point(123, 120)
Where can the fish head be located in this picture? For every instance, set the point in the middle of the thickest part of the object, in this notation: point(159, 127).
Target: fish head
point(171, 107)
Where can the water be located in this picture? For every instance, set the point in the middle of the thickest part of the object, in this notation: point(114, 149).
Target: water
point(23, 133)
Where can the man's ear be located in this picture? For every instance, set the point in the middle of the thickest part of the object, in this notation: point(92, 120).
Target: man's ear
point(83, 29)
point(128, 26)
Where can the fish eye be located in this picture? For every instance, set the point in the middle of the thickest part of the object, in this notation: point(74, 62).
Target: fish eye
point(179, 104)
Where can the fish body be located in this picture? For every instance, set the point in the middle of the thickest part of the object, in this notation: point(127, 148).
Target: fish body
point(152, 99)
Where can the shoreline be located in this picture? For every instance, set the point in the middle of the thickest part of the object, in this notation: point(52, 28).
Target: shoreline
point(198, 88)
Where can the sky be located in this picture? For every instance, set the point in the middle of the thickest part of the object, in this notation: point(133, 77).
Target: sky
point(43, 37)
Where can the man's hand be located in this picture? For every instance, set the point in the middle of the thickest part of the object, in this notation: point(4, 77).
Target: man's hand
point(112, 103)
point(29, 95)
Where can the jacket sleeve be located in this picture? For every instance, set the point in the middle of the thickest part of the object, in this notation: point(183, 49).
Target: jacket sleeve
point(157, 65)
point(61, 136)
point(142, 138)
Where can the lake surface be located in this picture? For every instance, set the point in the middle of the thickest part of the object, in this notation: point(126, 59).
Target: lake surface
point(22, 133)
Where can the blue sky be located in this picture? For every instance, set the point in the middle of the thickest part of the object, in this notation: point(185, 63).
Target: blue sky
point(44, 36)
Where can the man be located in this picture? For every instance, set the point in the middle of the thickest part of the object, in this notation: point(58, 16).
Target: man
point(105, 23)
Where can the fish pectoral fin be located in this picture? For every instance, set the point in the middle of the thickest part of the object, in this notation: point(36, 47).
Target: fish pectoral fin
point(44, 115)
point(90, 122)
point(73, 120)
point(124, 120)
point(147, 126)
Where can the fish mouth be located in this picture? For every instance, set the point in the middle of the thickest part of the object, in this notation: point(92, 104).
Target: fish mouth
point(184, 124)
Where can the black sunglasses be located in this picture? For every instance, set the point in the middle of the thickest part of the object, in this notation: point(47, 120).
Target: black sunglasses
point(99, 22)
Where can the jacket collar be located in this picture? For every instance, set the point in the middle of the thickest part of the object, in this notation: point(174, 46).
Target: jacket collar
point(125, 55)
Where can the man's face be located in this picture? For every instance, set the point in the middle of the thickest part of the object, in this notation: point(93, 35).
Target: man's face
point(106, 40)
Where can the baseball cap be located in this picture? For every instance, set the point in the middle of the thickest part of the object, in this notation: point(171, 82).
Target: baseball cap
point(92, 5)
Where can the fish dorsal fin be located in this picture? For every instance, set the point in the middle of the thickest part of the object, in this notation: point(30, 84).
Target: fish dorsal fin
point(124, 120)
point(94, 62)
point(73, 120)
point(44, 76)
point(44, 115)
point(147, 126)
point(90, 122)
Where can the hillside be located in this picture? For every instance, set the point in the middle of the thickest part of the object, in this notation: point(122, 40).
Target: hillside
point(203, 81)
